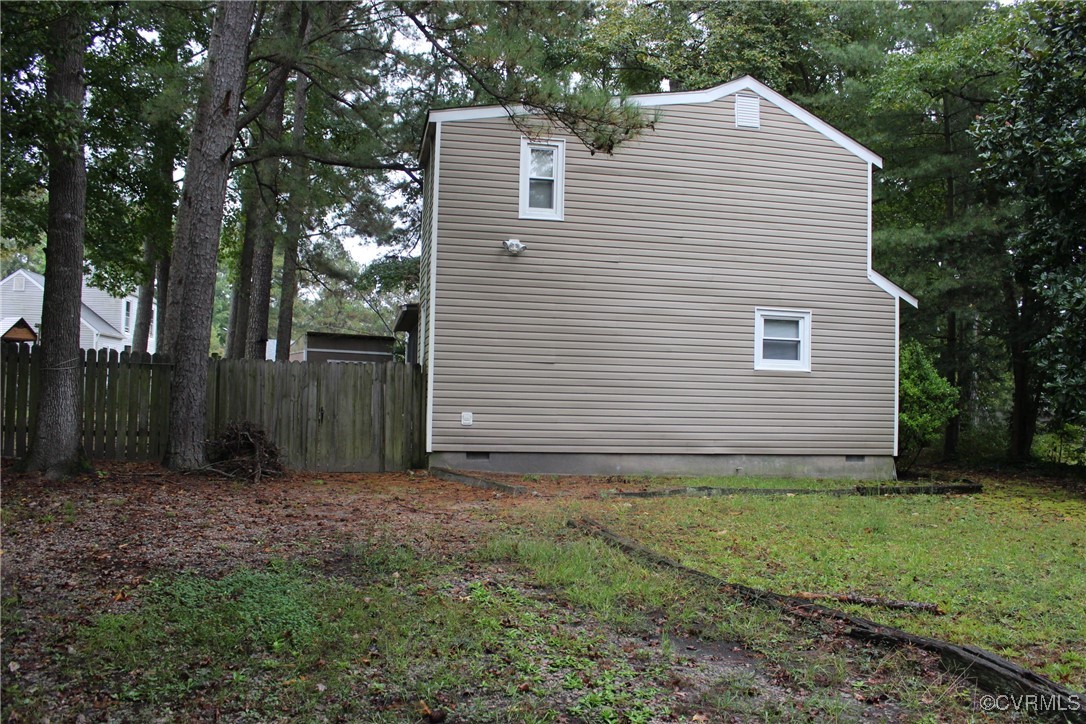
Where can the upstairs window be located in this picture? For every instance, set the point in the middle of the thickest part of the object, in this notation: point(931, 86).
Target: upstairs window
point(542, 183)
point(782, 340)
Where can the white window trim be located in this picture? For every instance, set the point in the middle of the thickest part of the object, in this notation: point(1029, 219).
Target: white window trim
point(803, 364)
point(558, 213)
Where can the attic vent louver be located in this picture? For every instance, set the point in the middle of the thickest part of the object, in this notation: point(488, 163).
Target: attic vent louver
point(747, 112)
point(19, 283)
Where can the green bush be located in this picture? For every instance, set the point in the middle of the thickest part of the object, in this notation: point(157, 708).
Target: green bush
point(928, 402)
point(1064, 444)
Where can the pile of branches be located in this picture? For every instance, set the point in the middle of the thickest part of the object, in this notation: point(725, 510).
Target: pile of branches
point(244, 451)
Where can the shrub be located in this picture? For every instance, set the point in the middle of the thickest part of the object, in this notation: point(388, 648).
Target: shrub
point(928, 402)
point(1063, 444)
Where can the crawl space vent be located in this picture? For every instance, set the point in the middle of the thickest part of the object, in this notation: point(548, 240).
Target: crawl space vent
point(747, 112)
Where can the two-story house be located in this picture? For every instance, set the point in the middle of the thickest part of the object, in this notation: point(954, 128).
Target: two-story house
point(106, 321)
point(702, 301)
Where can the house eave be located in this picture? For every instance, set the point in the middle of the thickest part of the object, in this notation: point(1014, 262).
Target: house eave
point(892, 289)
point(653, 100)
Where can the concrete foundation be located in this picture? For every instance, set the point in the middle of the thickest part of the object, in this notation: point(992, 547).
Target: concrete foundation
point(847, 467)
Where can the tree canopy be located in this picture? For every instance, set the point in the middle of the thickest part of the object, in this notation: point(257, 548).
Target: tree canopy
point(977, 109)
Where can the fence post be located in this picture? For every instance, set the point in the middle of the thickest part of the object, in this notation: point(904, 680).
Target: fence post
point(11, 377)
point(361, 417)
point(158, 407)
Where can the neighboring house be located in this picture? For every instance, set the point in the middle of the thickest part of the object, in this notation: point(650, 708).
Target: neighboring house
point(106, 322)
point(17, 329)
point(702, 301)
point(335, 347)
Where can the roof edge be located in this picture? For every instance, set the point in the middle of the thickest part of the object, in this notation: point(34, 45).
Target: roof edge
point(652, 100)
point(892, 289)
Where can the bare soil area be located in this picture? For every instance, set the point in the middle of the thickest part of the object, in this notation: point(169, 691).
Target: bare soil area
point(75, 550)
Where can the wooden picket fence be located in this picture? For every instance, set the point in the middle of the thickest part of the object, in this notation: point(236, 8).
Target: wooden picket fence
point(324, 416)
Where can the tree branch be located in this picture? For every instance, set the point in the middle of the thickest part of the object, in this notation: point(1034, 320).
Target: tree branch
point(326, 159)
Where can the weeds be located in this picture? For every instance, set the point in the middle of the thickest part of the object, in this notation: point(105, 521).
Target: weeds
point(285, 639)
point(1006, 565)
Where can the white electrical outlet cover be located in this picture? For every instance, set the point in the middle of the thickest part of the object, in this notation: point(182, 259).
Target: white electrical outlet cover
point(466, 418)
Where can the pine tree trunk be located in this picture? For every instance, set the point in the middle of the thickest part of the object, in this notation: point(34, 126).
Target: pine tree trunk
point(199, 223)
point(162, 299)
point(288, 287)
point(267, 178)
point(56, 447)
point(952, 434)
point(1023, 423)
point(145, 300)
point(239, 302)
point(288, 293)
point(162, 196)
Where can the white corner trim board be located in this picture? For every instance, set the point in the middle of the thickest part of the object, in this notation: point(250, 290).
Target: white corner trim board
point(433, 293)
point(653, 100)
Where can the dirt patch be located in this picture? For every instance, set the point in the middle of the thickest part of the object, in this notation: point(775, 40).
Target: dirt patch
point(77, 549)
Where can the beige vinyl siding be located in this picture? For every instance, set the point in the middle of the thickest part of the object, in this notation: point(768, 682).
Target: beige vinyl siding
point(424, 258)
point(629, 326)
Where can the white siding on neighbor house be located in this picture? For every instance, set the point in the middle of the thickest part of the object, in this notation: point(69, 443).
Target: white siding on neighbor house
point(629, 326)
point(25, 304)
point(28, 304)
point(108, 307)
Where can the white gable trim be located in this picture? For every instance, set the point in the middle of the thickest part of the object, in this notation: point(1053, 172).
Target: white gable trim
point(24, 275)
point(878, 279)
point(890, 288)
point(653, 100)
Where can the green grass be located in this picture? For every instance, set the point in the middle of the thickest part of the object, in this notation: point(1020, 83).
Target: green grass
point(730, 482)
point(632, 598)
point(752, 482)
point(372, 642)
point(541, 621)
point(1007, 565)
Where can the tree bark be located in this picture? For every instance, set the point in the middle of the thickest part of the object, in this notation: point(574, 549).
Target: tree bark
point(239, 302)
point(1020, 338)
point(56, 445)
point(265, 227)
point(145, 300)
point(199, 223)
point(952, 433)
point(288, 285)
point(162, 196)
point(267, 172)
point(162, 292)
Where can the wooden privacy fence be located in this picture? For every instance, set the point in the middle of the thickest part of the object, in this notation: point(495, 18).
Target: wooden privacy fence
point(324, 416)
point(357, 416)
